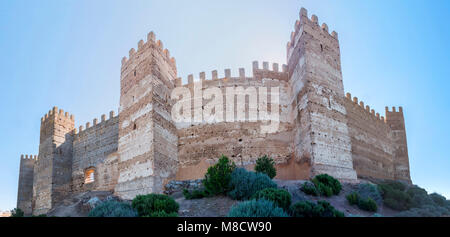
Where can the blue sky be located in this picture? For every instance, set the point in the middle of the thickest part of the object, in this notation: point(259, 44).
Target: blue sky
point(68, 54)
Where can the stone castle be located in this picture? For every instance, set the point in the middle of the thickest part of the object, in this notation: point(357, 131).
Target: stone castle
point(321, 129)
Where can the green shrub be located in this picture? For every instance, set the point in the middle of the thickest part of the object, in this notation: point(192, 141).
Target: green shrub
point(419, 197)
point(266, 165)
point(244, 184)
point(325, 182)
point(310, 209)
point(425, 211)
point(309, 188)
point(394, 195)
point(280, 197)
point(113, 209)
point(17, 212)
point(162, 214)
point(195, 194)
point(324, 190)
point(257, 208)
point(438, 199)
point(148, 204)
point(367, 204)
point(367, 190)
point(353, 198)
point(218, 176)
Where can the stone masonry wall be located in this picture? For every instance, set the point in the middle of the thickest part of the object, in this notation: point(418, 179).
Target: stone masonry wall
point(91, 148)
point(372, 145)
point(200, 144)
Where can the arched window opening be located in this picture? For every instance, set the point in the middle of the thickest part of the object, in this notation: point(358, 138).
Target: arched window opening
point(89, 175)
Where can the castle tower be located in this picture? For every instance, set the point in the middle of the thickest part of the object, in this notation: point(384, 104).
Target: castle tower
point(396, 121)
point(53, 169)
point(25, 193)
point(148, 152)
point(321, 136)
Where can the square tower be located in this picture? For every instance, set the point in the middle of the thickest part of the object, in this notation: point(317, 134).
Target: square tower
point(321, 136)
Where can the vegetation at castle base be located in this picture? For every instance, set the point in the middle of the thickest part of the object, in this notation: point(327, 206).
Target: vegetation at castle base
point(280, 197)
point(162, 214)
point(257, 208)
point(365, 197)
point(266, 165)
point(322, 184)
point(413, 201)
point(17, 212)
point(113, 209)
point(395, 195)
point(149, 205)
point(244, 184)
point(218, 176)
point(310, 189)
point(195, 194)
point(311, 209)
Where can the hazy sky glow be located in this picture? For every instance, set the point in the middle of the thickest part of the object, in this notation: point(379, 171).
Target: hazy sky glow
point(68, 54)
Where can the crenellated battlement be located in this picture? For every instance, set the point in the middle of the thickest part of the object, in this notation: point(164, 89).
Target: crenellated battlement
point(258, 73)
point(55, 112)
point(29, 157)
point(299, 27)
point(369, 111)
point(143, 46)
point(95, 122)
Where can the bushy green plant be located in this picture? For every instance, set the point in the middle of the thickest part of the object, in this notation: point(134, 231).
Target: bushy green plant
point(195, 194)
point(146, 205)
point(310, 209)
point(162, 214)
point(353, 198)
point(425, 211)
point(17, 212)
point(113, 209)
point(367, 190)
point(394, 195)
point(309, 188)
point(218, 176)
point(244, 184)
point(419, 197)
point(257, 208)
point(266, 165)
point(280, 197)
point(367, 204)
point(438, 199)
point(325, 182)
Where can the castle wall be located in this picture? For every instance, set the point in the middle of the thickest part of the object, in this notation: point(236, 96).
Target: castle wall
point(201, 144)
point(95, 147)
point(25, 191)
point(372, 145)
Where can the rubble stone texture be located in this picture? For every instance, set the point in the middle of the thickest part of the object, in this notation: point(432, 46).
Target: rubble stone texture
point(143, 150)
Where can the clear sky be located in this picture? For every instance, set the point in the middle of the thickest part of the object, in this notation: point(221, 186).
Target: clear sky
point(68, 54)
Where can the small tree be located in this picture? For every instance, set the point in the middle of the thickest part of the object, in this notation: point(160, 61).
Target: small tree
point(17, 212)
point(266, 165)
point(217, 179)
